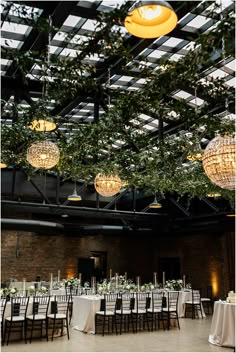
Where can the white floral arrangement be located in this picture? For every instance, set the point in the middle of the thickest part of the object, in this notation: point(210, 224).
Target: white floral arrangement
point(4, 292)
point(43, 290)
point(147, 287)
point(72, 282)
point(31, 290)
point(130, 286)
point(174, 284)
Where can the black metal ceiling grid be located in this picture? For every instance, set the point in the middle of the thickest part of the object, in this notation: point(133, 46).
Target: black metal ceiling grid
point(78, 16)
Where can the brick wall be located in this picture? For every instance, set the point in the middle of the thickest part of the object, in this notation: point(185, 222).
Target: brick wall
point(205, 258)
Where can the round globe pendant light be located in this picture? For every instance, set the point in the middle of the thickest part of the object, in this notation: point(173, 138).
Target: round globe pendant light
point(43, 154)
point(150, 19)
point(219, 162)
point(42, 125)
point(3, 165)
point(107, 185)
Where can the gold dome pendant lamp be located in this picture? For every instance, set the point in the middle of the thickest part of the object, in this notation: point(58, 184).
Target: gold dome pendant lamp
point(150, 19)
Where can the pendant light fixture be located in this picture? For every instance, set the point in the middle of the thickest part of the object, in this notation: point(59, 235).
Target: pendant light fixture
point(155, 204)
point(44, 122)
point(3, 165)
point(74, 196)
point(150, 19)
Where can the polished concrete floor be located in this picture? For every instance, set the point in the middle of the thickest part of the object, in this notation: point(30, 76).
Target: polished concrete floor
point(192, 337)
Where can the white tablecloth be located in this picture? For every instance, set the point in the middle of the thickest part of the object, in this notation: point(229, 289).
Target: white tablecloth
point(223, 324)
point(84, 309)
point(61, 291)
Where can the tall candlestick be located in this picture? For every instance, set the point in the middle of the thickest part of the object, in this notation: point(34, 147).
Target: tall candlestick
point(110, 273)
point(58, 276)
point(116, 279)
point(51, 280)
point(93, 284)
point(184, 281)
point(80, 277)
point(163, 279)
point(24, 280)
point(155, 279)
point(125, 276)
point(138, 283)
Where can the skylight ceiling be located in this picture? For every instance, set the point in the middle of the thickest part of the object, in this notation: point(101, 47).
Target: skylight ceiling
point(76, 25)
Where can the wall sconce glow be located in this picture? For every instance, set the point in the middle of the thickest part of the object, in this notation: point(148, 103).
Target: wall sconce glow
point(214, 283)
point(42, 125)
point(150, 19)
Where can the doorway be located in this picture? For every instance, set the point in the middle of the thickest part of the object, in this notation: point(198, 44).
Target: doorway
point(87, 269)
point(171, 267)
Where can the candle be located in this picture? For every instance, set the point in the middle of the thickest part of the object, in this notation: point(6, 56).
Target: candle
point(93, 284)
point(80, 276)
point(138, 282)
point(110, 273)
point(125, 276)
point(163, 279)
point(58, 276)
point(116, 278)
point(24, 280)
point(184, 281)
point(51, 280)
point(155, 279)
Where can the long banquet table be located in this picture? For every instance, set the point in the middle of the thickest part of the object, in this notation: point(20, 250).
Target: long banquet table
point(85, 307)
point(223, 324)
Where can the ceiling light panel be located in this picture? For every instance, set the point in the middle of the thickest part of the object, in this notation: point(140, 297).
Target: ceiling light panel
point(182, 94)
point(72, 21)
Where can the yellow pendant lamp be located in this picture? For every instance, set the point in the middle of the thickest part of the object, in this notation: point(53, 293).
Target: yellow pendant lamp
point(43, 125)
point(150, 19)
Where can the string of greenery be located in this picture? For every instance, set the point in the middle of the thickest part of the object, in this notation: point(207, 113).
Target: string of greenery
point(144, 160)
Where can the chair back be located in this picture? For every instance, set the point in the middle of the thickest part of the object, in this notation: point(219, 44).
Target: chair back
point(196, 297)
point(40, 305)
point(142, 301)
point(127, 302)
point(60, 304)
point(157, 299)
point(19, 306)
point(3, 303)
point(172, 300)
point(110, 302)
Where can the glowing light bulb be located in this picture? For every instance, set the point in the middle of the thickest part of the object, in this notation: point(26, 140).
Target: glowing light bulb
point(43, 156)
point(149, 12)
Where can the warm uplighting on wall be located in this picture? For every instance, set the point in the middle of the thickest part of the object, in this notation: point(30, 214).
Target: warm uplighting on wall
point(70, 273)
point(214, 283)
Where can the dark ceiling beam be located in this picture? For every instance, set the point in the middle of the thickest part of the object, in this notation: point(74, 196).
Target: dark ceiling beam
point(177, 204)
point(117, 198)
point(81, 211)
point(210, 204)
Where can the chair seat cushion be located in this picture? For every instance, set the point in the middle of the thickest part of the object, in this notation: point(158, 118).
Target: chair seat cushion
point(57, 316)
point(123, 312)
point(37, 317)
point(170, 309)
point(139, 311)
point(15, 318)
point(205, 299)
point(105, 313)
point(192, 303)
point(154, 310)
